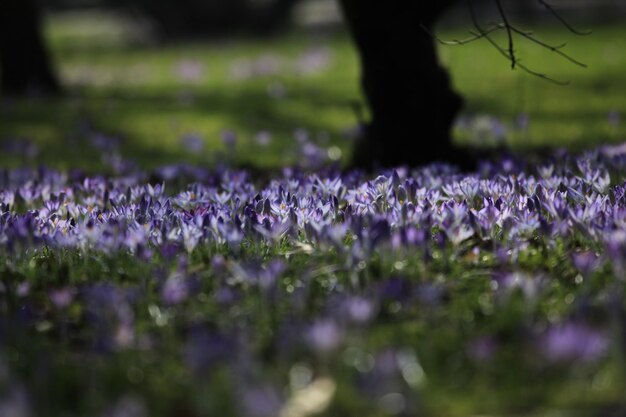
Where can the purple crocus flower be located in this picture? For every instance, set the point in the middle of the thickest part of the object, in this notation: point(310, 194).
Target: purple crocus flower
point(175, 290)
point(7, 198)
point(324, 335)
point(23, 289)
point(522, 121)
point(395, 289)
point(482, 349)
point(15, 402)
point(124, 335)
point(62, 297)
point(585, 262)
point(359, 309)
point(191, 235)
point(29, 193)
point(190, 71)
point(229, 138)
point(616, 249)
point(192, 143)
point(263, 138)
point(614, 118)
point(314, 61)
point(127, 406)
point(261, 401)
point(205, 347)
point(573, 341)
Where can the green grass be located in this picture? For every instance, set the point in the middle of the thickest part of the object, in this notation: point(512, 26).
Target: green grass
point(575, 115)
point(122, 84)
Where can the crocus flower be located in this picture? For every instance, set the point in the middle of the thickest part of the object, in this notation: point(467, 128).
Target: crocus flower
point(324, 335)
point(61, 297)
point(573, 341)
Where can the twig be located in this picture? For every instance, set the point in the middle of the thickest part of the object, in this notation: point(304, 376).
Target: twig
point(465, 41)
point(509, 52)
point(554, 48)
point(564, 22)
point(541, 75)
point(509, 33)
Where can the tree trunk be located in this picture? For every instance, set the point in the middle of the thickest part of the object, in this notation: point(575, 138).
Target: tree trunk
point(24, 64)
point(408, 92)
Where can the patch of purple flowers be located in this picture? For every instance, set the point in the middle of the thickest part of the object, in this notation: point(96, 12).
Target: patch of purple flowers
point(233, 276)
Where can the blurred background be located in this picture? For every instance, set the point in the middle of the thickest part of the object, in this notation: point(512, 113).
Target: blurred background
point(274, 82)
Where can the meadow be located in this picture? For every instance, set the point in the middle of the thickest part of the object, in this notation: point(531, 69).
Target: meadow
point(146, 271)
point(150, 96)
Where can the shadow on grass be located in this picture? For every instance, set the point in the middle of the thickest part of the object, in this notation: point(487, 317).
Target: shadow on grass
point(149, 125)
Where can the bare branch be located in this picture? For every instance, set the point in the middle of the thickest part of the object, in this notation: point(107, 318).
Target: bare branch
point(465, 41)
point(509, 33)
point(541, 75)
point(564, 22)
point(511, 30)
point(554, 48)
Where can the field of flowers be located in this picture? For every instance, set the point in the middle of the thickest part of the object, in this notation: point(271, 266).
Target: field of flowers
point(191, 292)
point(131, 288)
